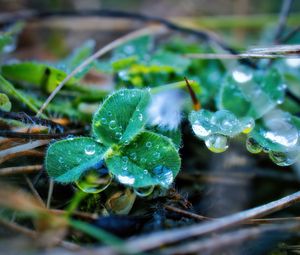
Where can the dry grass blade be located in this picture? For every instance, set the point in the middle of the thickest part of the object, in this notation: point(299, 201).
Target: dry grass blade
point(20, 170)
point(155, 240)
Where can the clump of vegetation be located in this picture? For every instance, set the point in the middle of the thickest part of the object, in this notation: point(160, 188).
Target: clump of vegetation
point(101, 161)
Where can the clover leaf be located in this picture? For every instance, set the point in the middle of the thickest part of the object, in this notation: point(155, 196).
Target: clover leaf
point(248, 93)
point(134, 156)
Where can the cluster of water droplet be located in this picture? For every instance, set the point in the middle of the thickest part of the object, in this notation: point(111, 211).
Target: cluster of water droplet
point(216, 128)
point(278, 137)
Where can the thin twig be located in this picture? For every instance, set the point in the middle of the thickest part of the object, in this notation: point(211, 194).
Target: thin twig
point(32, 153)
point(99, 53)
point(157, 239)
point(20, 170)
point(238, 56)
point(284, 13)
point(221, 241)
point(50, 192)
point(290, 35)
point(23, 147)
point(34, 191)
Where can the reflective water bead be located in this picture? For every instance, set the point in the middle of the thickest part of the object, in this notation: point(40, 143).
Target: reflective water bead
point(217, 143)
point(200, 130)
point(164, 175)
point(253, 146)
point(282, 132)
point(126, 179)
point(293, 62)
point(143, 160)
point(133, 155)
point(148, 144)
point(249, 125)
point(125, 159)
point(61, 160)
point(94, 182)
point(242, 75)
point(145, 171)
point(112, 124)
point(284, 159)
point(109, 113)
point(156, 155)
point(90, 149)
point(118, 135)
point(140, 116)
point(103, 121)
point(144, 192)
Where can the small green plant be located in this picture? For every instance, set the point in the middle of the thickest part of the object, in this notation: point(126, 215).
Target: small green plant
point(133, 155)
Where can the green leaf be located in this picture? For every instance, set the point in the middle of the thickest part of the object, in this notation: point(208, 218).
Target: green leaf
point(42, 75)
point(67, 160)
point(5, 104)
point(206, 123)
point(121, 116)
point(9, 89)
point(174, 135)
point(149, 159)
point(248, 93)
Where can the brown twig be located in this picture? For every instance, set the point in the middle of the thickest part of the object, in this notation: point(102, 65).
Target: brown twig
point(185, 213)
point(32, 153)
point(196, 103)
point(20, 170)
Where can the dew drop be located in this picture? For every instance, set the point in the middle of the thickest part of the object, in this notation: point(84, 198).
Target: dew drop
point(118, 135)
point(109, 113)
point(140, 117)
point(253, 146)
point(125, 159)
point(283, 159)
point(293, 62)
point(144, 192)
point(148, 144)
point(103, 121)
point(94, 181)
point(164, 175)
point(90, 149)
point(200, 130)
point(112, 124)
point(249, 125)
point(61, 160)
point(156, 155)
point(145, 171)
point(133, 155)
point(126, 179)
point(143, 160)
point(241, 75)
point(217, 143)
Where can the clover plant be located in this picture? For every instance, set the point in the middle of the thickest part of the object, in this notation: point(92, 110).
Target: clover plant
point(133, 155)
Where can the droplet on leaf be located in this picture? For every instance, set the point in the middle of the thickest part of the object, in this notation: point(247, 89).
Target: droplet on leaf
point(217, 143)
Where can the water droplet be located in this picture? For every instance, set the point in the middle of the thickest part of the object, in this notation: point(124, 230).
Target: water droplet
point(61, 160)
point(200, 130)
point(284, 159)
point(280, 131)
point(248, 126)
point(140, 116)
point(164, 175)
point(217, 143)
point(126, 142)
point(112, 124)
point(148, 144)
point(241, 75)
point(94, 181)
point(293, 62)
point(144, 192)
point(126, 179)
point(145, 171)
point(70, 137)
point(90, 149)
point(253, 146)
point(125, 159)
point(143, 160)
point(109, 113)
point(156, 155)
point(118, 135)
point(133, 155)
point(225, 120)
point(103, 121)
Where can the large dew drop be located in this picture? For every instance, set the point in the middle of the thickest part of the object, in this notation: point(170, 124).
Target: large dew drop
point(252, 146)
point(144, 192)
point(95, 181)
point(283, 159)
point(164, 175)
point(217, 143)
point(200, 130)
point(89, 150)
point(126, 179)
